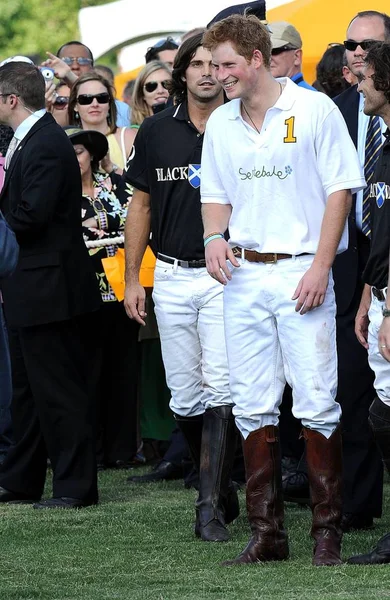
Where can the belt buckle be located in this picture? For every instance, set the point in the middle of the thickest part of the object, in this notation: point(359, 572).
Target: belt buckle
point(273, 261)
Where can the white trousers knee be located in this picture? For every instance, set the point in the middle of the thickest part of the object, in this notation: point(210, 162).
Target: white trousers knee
point(378, 364)
point(268, 343)
point(189, 311)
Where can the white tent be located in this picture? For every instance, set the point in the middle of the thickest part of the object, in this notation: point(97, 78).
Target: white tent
point(129, 22)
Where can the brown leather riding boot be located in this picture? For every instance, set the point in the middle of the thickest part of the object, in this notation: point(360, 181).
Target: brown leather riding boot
point(264, 498)
point(324, 462)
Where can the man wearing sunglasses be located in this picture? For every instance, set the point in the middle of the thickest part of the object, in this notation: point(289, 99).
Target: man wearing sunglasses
point(362, 494)
point(286, 55)
point(164, 50)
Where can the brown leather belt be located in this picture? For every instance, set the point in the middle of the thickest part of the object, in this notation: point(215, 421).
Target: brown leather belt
point(263, 257)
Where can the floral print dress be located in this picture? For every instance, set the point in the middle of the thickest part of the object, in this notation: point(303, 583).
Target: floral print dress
point(110, 213)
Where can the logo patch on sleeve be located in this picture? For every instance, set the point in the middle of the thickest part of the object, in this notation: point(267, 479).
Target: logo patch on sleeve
point(194, 175)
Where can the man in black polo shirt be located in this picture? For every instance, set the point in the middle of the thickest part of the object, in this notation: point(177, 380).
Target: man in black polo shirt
point(165, 172)
point(373, 318)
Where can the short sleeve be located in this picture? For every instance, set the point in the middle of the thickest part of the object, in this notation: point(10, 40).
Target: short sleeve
point(211, 186)
point(337, 159)
point(136, 173)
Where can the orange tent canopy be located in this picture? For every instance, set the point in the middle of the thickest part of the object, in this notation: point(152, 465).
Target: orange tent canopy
point(321, 22)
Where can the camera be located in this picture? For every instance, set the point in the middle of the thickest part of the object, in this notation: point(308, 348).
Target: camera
point(47, 73)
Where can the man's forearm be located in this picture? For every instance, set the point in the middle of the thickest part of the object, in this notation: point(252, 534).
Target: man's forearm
point(215, 217)
point(137, 232)
point(336, 212)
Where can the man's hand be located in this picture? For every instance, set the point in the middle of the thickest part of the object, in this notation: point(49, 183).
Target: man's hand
point(50, 96)
point(217, 252)
point(134, 302)
point(311, 289)
point(384, 339)
point(60, 68)
point(361, 319)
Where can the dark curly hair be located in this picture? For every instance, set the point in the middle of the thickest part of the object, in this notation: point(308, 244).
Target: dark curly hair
point(330, 71)
point(378, 57)
point(186, 52)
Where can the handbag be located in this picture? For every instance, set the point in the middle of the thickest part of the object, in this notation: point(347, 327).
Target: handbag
point(114, 268)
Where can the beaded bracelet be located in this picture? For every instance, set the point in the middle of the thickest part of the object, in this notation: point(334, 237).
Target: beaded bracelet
point(212, 237)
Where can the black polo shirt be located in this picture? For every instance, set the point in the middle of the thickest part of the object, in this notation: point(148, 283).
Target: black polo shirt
point(377, 268)
point(166, 164)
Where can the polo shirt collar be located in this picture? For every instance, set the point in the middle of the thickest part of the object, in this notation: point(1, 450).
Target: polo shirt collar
point(181, 112)
point(284, 102)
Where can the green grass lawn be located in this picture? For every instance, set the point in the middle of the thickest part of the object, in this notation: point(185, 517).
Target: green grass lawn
point(138, 544)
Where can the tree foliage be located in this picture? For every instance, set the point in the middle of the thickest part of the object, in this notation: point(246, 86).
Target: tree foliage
point(36, 26)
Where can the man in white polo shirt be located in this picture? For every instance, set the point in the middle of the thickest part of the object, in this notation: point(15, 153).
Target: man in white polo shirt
point(278, 167)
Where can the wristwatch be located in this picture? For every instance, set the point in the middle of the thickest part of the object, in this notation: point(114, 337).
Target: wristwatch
point(386, 311)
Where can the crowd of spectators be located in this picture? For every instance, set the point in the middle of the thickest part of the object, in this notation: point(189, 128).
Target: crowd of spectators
point(129, 422)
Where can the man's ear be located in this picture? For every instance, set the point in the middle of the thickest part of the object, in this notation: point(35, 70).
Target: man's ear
point(298, 57)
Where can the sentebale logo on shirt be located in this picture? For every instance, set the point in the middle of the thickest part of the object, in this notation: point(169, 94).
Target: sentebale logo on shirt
point(258, 172)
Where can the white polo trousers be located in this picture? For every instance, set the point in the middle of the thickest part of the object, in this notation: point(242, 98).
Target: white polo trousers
point(269, 343)
point(189, 311)
point(378, 364)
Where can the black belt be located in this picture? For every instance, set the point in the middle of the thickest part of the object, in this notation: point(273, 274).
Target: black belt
point(379, 294)
point(187, 264)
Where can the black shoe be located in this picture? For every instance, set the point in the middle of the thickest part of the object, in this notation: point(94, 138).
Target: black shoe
point(379, 556)
point(8, 496)
point(63, 502)
point(296, 487)
point(356, 522)
point(163, 471)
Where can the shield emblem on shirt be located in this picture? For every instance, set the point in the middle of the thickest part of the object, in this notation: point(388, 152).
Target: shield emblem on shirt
point(194, 175)
point(380, 193)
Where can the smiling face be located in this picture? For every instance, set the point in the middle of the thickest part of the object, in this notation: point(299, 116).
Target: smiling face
point(156, 94)
point(200, 77)
point(374, 100)
point(94, 114)
point(234, 73)
point(361, 29)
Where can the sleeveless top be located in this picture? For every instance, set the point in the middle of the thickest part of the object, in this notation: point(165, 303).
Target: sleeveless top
point(117, 152)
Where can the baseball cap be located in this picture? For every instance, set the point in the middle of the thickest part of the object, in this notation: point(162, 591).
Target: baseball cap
point(283, 34)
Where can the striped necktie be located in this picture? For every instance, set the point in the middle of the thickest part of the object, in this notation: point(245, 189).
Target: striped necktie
point(373, 146)
point(10, 152)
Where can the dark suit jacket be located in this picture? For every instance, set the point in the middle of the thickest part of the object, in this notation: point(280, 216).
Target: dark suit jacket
point(347, 268)
point(9, 249)
point(54, 279)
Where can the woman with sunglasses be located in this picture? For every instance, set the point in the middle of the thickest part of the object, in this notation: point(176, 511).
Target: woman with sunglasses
point(59, 107)
point(114, 376)
point(150, 91)
point(92, 106)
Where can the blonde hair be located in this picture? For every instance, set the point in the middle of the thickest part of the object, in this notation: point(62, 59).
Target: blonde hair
point(140, 109)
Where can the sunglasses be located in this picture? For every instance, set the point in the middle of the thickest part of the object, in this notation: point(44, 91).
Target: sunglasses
point(61, 101)
point(84, 99)
point(164, 41)
point(364, 45)
point(276, 51)
point(83, 62)
point(151, 86)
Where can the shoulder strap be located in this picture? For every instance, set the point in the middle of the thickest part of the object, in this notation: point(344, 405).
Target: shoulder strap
point(123, 147)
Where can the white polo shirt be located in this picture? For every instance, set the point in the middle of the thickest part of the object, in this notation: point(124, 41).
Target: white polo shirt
point(278, 182)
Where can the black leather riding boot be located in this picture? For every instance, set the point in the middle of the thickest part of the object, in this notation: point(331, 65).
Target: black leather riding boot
point(379, 420)
point(217, 502)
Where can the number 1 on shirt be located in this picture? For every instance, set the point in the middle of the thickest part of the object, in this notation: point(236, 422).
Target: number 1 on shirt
point(290, 138)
